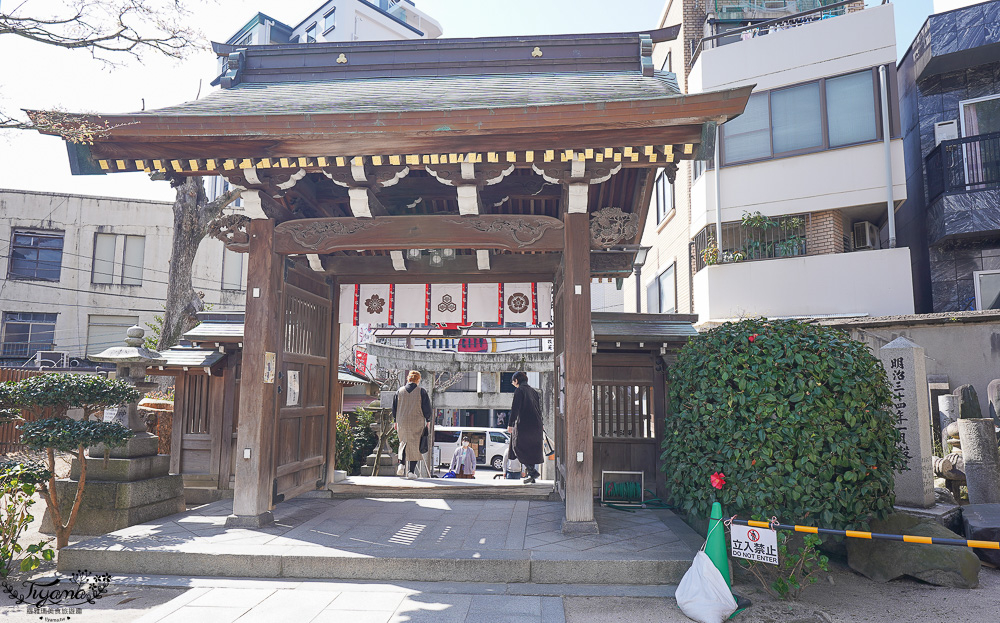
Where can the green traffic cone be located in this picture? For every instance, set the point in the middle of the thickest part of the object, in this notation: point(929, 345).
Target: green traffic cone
point(715, 544)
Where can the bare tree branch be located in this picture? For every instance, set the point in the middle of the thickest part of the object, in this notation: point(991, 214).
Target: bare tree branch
point(106, 28)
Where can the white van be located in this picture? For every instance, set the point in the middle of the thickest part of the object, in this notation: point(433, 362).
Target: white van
point(489, 443)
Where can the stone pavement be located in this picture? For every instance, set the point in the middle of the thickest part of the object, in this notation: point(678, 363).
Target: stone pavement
point(400, 539)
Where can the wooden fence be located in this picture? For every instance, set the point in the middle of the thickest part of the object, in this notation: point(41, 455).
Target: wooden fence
point(10, 436)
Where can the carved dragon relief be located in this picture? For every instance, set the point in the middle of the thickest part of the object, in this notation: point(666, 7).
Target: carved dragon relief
point(231, 229)
point(611, 226)
point(312, 235)
point(521, 231)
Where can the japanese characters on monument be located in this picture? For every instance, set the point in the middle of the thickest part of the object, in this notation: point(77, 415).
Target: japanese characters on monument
point(904, 366)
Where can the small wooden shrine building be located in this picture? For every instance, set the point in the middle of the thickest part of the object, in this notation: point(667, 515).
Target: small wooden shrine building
point(529, 160)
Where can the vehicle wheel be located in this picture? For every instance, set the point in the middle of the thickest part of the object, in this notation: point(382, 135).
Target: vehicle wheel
point(497, 463)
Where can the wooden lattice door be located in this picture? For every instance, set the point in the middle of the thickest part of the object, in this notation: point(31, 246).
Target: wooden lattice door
point(303, 385)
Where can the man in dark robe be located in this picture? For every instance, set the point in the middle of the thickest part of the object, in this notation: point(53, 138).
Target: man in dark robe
point(525, 426)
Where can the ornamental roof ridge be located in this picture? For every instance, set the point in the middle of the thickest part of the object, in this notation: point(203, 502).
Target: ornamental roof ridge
point(331, 61)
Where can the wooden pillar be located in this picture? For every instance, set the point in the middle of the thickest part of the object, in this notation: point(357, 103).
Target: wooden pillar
point(261, 343)
point(578, 371)
point(336, 399)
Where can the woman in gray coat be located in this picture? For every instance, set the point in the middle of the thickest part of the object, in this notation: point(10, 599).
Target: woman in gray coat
point(411, 410)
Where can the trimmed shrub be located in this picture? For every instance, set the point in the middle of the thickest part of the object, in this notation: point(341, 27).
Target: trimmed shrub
point(791, 419)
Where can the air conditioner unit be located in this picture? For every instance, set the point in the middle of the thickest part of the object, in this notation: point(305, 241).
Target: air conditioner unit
point(865, 235)
point(51, 359)
point(945, 131)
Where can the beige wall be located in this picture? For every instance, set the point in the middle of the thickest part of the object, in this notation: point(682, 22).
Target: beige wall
point(873, 283)
point(967, 352)
point(826, 180)
point(669, 239)
point(74, 298)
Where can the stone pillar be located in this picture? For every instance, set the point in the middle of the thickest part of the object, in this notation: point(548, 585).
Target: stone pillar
point(547, 390)
point(993, 396)
point(982, 460)
point(135, 484)
point(968, 402)
point(948, 412)
point(904, 365)
point(258, 412)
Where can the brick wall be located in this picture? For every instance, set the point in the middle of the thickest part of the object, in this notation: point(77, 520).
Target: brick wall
point(825, 233)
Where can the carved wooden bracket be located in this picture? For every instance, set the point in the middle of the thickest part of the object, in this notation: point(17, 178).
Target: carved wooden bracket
point(492, 231)
point(612, 226)
point(577, 172)
point(366, 176)
point(231, 229)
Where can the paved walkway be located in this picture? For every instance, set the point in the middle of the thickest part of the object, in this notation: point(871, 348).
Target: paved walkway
point(400, 539)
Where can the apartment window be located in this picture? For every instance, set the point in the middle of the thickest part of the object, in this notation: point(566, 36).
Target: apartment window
point(796, 119)
point(748, 137)
point(311, 33)
point(246, 39)
point(849, 112)
point(108, 269)
point(35, 255)
point(664, 192)
point(666, 288)
point(25, 333)
point(987, 283)
point(330, 20)
point(232, 270)
point(106, 331)
point(804, 118)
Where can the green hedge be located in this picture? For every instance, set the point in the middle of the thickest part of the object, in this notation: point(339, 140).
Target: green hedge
point(797, 417)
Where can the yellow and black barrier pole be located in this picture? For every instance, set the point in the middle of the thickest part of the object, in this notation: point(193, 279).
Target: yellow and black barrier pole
point(857, 534)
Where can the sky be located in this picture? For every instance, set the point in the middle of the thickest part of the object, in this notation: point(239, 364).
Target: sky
point(51, 77)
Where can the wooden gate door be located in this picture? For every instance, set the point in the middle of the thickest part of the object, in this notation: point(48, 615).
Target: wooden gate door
point(196, 437)
point(629, 407)
point(303, 384)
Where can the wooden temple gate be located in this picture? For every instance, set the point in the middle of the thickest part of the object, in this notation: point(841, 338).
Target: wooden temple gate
point(529, 159)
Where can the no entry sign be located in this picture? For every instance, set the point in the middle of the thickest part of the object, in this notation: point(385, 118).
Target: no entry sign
point(757, 544)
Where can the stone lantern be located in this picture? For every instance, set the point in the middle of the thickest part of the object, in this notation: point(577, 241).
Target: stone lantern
point(135, 484)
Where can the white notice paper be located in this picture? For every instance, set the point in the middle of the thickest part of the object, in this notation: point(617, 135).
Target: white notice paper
point(757, 544)
point(293, 388)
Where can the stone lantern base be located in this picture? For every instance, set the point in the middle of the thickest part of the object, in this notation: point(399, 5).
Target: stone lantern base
point(134, 487)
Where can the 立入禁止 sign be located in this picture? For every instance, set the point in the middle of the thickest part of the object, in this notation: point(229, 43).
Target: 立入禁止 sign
point(756, 544)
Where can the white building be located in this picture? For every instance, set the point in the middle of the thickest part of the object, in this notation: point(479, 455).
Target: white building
point(343, 20)
point(77, 271)
point(804, 179)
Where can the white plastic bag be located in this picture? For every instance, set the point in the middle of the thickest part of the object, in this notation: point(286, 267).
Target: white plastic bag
point(703, 594)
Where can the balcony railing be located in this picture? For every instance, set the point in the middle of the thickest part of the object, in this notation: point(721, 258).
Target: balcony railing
point(783, 236)
point(964, 165)
point(761, 17)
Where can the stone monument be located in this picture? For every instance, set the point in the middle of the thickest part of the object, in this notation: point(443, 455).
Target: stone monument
point(134, 485)
point(948, 413)
point(982, 460)
point(993, 396)
point(904, 365)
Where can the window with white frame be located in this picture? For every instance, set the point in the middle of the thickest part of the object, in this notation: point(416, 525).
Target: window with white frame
point(666, 288)
point(35, 255)
point(106, 331)
point(113, 267)
point(804, 118)
point(987, 284)
point(25, 333)
point(330, 20)
point(311, 33)
point(232, 270)
point(663, 191)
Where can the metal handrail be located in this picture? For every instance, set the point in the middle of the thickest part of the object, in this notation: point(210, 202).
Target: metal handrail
point(954, 166)
point(772, 22)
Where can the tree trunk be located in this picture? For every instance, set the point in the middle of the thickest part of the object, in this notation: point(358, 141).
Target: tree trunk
point(193, 213)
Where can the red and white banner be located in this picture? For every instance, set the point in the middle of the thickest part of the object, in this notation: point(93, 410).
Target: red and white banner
point(450, 303)
point(360, 361)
